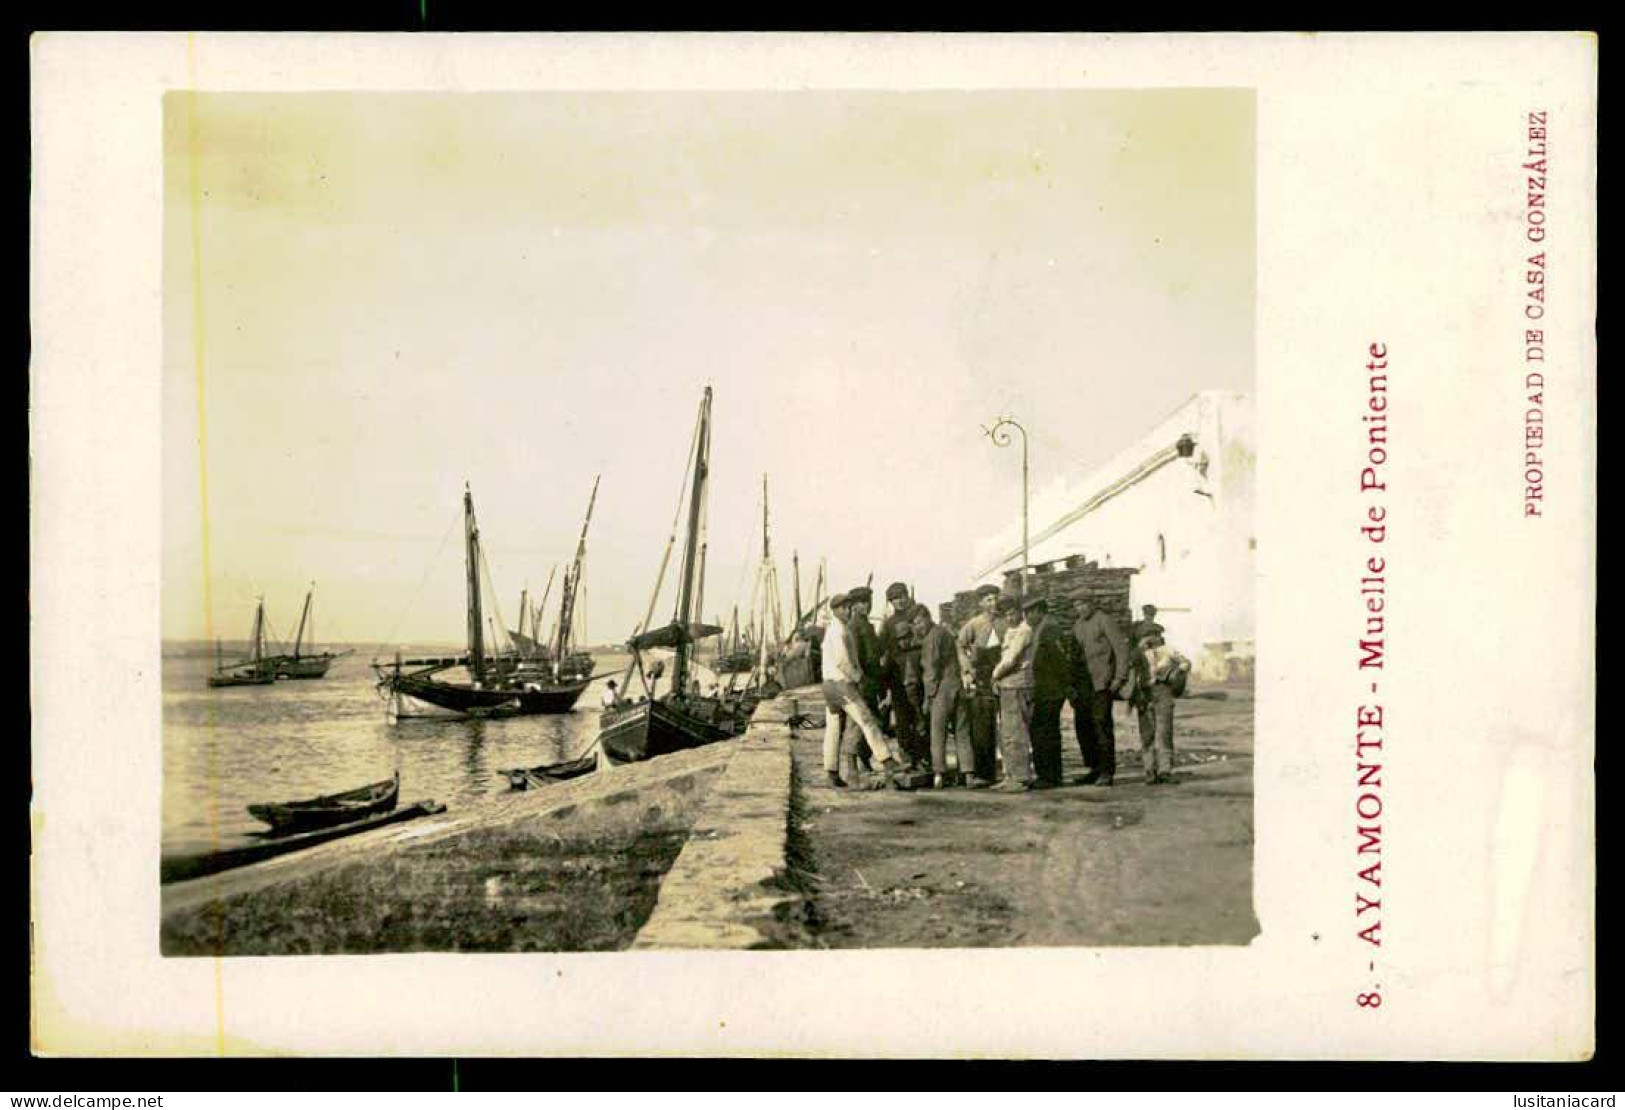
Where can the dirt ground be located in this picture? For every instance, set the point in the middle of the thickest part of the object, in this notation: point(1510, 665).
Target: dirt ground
point(1076, 866)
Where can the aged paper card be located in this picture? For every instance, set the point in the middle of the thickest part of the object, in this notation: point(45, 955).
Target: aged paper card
point(1331, 296)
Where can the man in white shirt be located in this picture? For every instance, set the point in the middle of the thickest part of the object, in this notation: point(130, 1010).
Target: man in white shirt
point(976, 725)
point(611, 697)
point(843, 697)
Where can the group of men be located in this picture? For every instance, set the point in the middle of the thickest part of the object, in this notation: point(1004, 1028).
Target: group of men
point(997, 686)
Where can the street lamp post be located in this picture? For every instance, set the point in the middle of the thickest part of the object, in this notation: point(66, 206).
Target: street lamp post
point(1001, 438)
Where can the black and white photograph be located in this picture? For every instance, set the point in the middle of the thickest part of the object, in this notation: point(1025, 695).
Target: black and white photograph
point(786, 520)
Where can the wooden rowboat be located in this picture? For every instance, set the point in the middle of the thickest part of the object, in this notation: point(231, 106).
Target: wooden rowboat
point(332, 809)
point(526, 778)
point(173, 869)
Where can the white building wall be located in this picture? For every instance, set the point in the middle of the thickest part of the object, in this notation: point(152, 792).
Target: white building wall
point(1185, 523)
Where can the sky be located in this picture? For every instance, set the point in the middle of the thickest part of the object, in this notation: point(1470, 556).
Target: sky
point(371, 299)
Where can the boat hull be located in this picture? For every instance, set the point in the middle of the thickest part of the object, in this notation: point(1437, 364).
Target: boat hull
point(470, 701)
point(216, 681)
point(525, 778)
point(551, 699)
point(653, 728)
point(306, 666)
point(174, 869)
point(321, 813)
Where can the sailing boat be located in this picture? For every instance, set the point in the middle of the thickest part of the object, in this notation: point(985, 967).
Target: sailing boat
point(751, 650)
point(506, 685)
point(764, 607)
point(735, 653)
point(556, 683)
point(253, 671)
point(530, 644)
point(483, 694)
point(303, 664)
point(682, 718)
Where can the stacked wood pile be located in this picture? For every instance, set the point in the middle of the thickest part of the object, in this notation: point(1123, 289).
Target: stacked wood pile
point(1109, 586)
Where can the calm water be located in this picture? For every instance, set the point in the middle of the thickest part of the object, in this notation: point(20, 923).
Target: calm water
point(225, 749)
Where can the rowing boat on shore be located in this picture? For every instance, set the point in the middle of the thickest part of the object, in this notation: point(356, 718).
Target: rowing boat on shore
point(331, 809)
point(527, 778)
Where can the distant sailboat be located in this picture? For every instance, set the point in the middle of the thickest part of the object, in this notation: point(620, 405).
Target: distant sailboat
point(253, 671)
point(303, 664)
point(736, 654)
point(754, 650)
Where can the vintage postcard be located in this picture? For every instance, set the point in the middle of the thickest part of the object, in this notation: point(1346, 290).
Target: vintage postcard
point(1063, 546)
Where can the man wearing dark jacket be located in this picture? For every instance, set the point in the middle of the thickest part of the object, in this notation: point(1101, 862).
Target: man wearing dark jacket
point(1101, 672)
point(900, 672)
point(868, 644)
point(1052, 680)
point(939, 673)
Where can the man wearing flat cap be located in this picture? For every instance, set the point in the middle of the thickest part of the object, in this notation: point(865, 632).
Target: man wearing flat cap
point(1013, 676)
point(843, 698)
point(976, 722)
point(900, 672)
point(1102, 671)
point(1145, 626)
point(939, 667)
point(858, 601)
point(1052, 680)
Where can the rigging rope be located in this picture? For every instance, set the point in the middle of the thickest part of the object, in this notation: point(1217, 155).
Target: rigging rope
point(421, 583)
point(578, 619)
point(486, 582)
point(750, 548)
point(273, 639)
point(665, 558)
point(671, 541)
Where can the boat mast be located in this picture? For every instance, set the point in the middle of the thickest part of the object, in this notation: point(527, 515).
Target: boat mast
point(299, 638)
point(524, 608)
point(685, 601)
point(572, 582)
point(259, 630)
point(795, 579)
point(476, 626)
point(536, 610)
point(764, 578)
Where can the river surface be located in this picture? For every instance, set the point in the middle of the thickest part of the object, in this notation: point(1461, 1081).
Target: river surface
point(226, 749)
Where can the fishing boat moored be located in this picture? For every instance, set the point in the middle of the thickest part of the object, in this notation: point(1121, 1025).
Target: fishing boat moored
point(685, 717)
point(502, 684)
point(301, 664)
point(256, 670)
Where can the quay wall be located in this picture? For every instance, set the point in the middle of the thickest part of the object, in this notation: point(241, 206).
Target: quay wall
point(692, 850)
point(570, 867)
point(734, 885)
